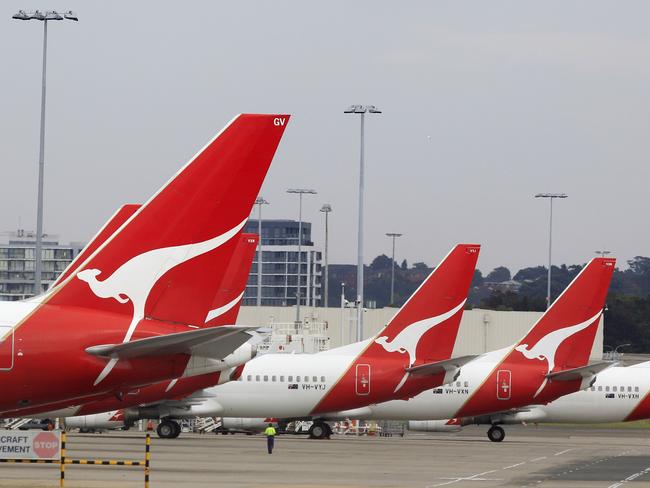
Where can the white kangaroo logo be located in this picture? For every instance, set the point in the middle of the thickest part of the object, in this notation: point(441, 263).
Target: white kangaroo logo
point(547, 346)
point(135, 279)
point(407, 340)
point(216, 312)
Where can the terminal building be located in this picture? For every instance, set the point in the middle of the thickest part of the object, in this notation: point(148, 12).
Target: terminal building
point(279, 241)
point(17, 263)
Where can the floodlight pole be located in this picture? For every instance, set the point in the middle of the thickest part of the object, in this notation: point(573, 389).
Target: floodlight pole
point(38, 251)
point(38, 248)
point(342, 309)
point(361, 110)
point(551, 197)
point(300, 192)
point(393, 236)
point(259, 202)
point(326, 209)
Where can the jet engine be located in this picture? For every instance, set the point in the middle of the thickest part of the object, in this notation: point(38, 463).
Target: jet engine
point(244, 424)
point(98, 421)
point(434, 426)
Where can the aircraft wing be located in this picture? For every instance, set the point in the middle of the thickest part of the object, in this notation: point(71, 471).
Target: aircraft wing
point(440, 366)
point(213, 342)
point(580, 373)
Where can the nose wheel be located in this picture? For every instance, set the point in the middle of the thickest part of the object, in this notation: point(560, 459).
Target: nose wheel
point(496, 433)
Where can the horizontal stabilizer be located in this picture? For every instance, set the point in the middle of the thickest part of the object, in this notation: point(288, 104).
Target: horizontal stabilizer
point(219, 342)
point(580, 373)
point(439, 366)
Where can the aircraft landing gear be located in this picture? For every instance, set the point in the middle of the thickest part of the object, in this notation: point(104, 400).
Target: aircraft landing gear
point(320, 430)
point(496, 433)
point(168, 429)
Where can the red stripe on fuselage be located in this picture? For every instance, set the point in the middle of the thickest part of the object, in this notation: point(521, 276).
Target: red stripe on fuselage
point(641, 411)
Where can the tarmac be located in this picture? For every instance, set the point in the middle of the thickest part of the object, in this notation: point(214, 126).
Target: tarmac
point(549, 457)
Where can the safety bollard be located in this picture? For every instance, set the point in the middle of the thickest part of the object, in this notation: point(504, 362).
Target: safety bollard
point(147, 458)
point(62, 468)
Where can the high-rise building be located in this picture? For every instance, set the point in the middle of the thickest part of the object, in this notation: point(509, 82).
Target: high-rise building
point(17, 263)
point(280, 265)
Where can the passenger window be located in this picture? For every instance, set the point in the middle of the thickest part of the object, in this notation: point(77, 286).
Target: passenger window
point(281, 378)
point(607, 388)
point(266, 377)
point(290, 379)
point(636, 389)
point(622, 388)
point(322, 379)
point(466, 384)
point(315, 378)
point(257, 377)
point(458, 384)
point(273, 378)
point(249, 377)
point(600, 388)
point(629, 388)
point(297, 379)
point(614, 388)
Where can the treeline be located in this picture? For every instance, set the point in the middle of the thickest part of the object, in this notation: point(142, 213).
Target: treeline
point(627, 316)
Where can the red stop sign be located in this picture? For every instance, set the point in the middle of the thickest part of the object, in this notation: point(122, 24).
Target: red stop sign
point(46, 445)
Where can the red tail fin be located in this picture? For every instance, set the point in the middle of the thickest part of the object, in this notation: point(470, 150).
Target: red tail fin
point(427, 324)
point(123, 214)
point(176, 233)
point(565, 334)
point(225, 306)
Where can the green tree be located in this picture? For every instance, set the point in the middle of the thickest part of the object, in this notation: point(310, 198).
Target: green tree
point(498, 275)
point(381, 262)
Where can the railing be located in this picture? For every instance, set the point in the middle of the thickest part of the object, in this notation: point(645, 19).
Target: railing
point(64, 460)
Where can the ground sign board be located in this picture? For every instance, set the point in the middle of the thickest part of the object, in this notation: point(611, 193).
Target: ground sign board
point(27, 444)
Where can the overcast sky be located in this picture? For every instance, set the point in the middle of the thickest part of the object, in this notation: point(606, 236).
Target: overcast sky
point(485, 104)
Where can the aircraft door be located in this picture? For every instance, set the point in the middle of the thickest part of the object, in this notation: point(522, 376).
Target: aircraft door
point(362, 384)
point(504, 384)
point(6, 348)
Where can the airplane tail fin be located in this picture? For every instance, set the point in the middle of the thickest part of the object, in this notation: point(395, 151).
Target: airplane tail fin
point(153, 263)
point(565, 334)
point(431, 316)
point(227, 301)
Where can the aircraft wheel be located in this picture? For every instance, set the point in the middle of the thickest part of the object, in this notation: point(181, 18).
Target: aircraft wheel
point(166, 429)
point(496, 433)
point(318, 430)
point(177, 429)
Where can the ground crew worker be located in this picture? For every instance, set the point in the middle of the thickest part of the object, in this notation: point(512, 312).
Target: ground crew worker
point(270, 437)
